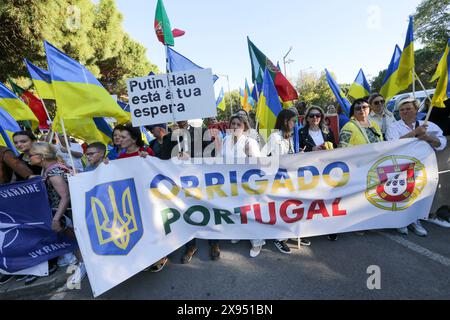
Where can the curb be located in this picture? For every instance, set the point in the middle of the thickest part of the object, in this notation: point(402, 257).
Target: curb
point(14, 290)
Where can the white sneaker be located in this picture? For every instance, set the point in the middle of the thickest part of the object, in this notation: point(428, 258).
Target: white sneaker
point(439, 222)
point(235, 241)
point(254, 251)
point(417, 228)
point(78, 276)
point(67, 259)
point(403, 231)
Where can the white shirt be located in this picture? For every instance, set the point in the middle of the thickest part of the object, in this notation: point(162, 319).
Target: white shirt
point(400, 128)
point(65, 155)
point(317, 136)
point(237, 150)
point(277, 144)
point(384, 120)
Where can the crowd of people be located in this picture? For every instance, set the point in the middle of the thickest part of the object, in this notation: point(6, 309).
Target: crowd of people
point(369, 122)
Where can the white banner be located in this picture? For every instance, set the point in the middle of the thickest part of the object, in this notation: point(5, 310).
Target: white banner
point(132, 212)
point(162, 98)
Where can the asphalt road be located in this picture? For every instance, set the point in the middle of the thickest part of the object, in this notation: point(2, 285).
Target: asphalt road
point(410, 268)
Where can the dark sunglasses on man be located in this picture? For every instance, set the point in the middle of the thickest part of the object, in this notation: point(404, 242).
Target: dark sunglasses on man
point(314, 115)
point(377, 103)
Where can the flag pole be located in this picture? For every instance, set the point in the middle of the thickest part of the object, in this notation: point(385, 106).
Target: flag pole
point(171, 96)
point(229, 92)
point(68, 145)
point(428, 97)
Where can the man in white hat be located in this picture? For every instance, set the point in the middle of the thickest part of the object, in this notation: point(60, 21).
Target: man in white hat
point(409, 127)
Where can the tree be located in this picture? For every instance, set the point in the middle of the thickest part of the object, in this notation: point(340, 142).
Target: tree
point(314, 89)
point(91, 34)
point(235, 100)
point(432, 23)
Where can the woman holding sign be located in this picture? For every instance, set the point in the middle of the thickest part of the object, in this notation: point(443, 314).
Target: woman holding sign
point(316, 136)
point(281, 142)
point(237, 144)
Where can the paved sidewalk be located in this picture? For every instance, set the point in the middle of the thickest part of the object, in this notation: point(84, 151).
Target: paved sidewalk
point(18, 290)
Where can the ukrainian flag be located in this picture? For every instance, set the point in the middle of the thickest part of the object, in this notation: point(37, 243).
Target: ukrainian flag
point(340, 97)
point(360, 87)
point(41, 80)
point(442, 92)
point(269, 105)
point(16, 107)
point(220, 103)
point(389, 87)
point(78, 93)
point(7, 127)
point(440, 66)
point(406, 65)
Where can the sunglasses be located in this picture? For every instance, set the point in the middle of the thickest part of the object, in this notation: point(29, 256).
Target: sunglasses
point(379, 102)
point(314, 115)
point(359, 108)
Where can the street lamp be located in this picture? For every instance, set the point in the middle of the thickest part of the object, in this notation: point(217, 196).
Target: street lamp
point(284, 60)
point(229, 91)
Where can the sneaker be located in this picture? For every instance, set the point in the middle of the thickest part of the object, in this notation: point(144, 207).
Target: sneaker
point(187, 257)
point(403, 231)
point(52, 267)
point(254, 251)
point(30, 279)
point(440, 222)
point(332, 237)
point(67, 259)
point(305, 242)
point(158, 266)
point(78, 276)
point(21, 277)
point(417, 228)
point(215, 252)
point(5, 278)
point(235, 241)
point(282, 246)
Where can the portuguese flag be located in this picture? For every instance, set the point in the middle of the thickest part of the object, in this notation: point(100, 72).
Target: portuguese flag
point(33, 102)
point(164, 32)
point(259, 63)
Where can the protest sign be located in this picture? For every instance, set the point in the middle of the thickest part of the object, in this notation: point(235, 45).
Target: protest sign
point(26, 236)
point(132, 212)
point(163, 98)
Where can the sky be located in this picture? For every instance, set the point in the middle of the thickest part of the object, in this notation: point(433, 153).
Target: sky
point(343, 35)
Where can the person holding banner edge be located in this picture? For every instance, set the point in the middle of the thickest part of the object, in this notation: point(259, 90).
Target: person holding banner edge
point(409, 127)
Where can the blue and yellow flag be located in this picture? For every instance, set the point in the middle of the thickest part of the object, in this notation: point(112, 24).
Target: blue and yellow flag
point(269, 105)
point(7, 128)
point(442, 92)
point(340, 97)
point(390, 88)
point(406, 65)
point(42, 81)
point(220, 102)
point(78, 93)
point(360, 87)
point(16, 107)
point(178, 62)
point(440, 66)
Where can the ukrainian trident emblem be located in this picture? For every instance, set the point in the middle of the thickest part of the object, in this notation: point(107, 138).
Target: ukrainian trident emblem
point(395, 182)
point(113, 217)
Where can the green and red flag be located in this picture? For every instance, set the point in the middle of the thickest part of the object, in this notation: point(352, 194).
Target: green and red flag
point(164, 32)
point(33, 102)
point(260, 62)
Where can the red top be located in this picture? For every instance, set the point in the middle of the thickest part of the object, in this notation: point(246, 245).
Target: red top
point(136, 154)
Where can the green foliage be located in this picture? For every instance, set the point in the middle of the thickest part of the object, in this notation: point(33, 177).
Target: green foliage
point(432, 23)
point(235, 100)
point(90, 33)
point(314, 89)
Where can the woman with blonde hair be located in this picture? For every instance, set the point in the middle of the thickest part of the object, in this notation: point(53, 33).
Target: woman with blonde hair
point(55, 173)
